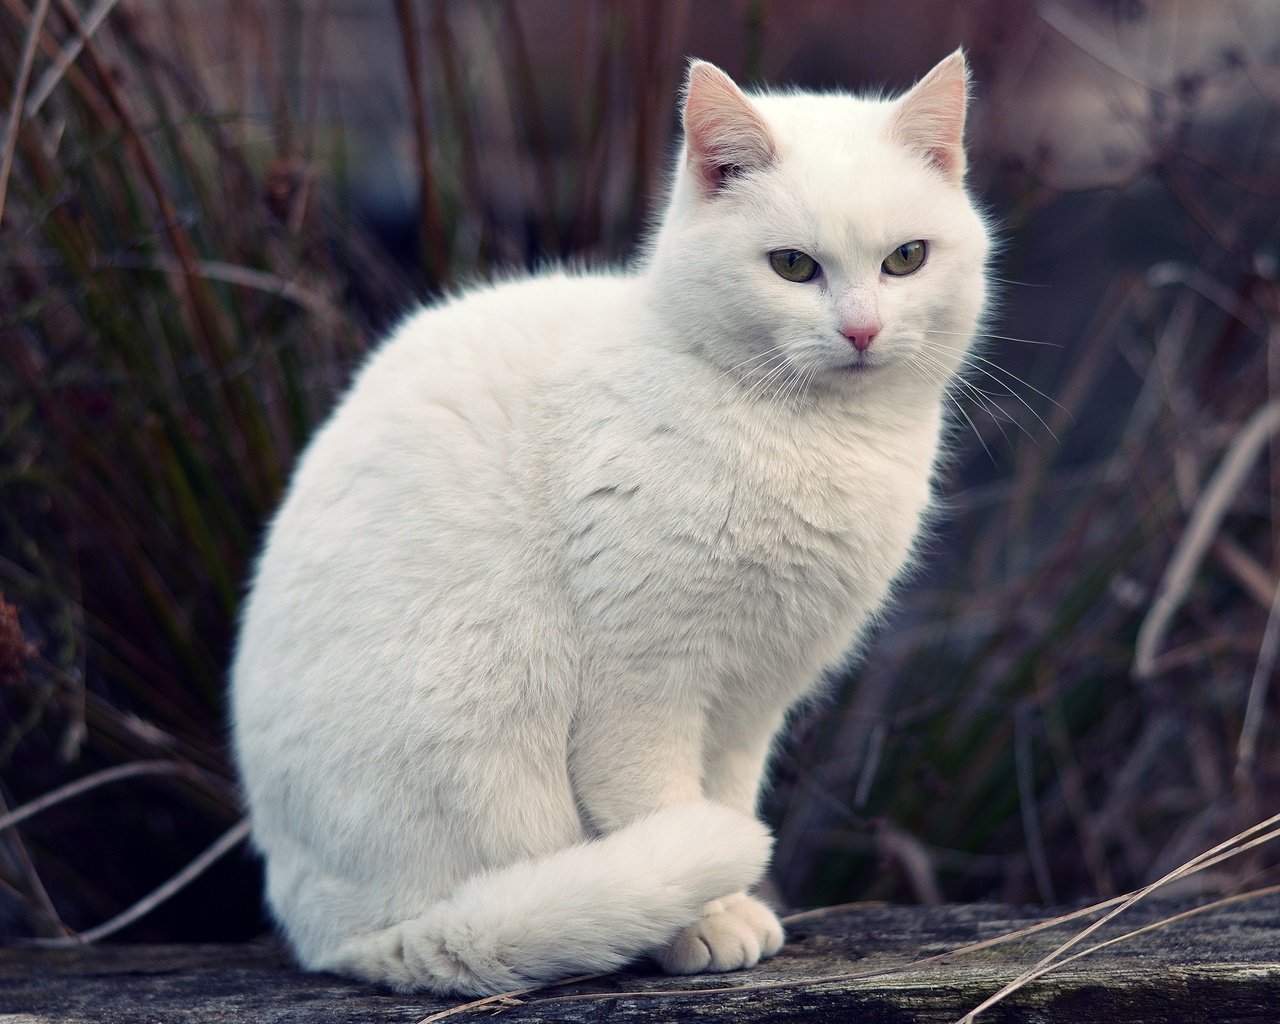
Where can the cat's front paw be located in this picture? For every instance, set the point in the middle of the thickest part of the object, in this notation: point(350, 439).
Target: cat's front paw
point(735, 932)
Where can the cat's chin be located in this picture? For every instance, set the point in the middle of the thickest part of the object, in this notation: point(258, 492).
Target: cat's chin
point(861, 366)
point(851, 363)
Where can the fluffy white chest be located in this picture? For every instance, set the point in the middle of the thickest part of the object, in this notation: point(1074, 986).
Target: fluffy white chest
point(754, 545)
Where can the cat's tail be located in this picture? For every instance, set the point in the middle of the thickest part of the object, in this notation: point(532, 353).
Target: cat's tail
point(589, 907)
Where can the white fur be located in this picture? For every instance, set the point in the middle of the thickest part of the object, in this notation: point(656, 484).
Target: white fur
point(545, 585)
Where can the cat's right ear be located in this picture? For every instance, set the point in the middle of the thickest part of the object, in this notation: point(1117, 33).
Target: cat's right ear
point(930, 118)
point(724, 134)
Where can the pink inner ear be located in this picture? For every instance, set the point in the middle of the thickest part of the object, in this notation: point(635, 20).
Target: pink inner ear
point(930, 118)
point(724, 133)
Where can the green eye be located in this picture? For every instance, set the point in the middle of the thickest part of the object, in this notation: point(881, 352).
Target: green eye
point(794, 265)
point(906, 259)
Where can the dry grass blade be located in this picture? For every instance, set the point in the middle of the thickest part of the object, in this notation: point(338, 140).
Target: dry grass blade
point(1170, 273)
point(246, 277)
point(36, 890)
point(1117, 904)
point(1164, 922)
point(1198, 536)
point(66, 57)
point(227, 842)
point(89, 782)
point(430, 223)
point(528, 112)
point(204, 319)
point(1090, 41)
point(9, 142)
point(1235, 845)
point(502, 997)
point(820, 912)
point(1247, 748)
point(1027, 801)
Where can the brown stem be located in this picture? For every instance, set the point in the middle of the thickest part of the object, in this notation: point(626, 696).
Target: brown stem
point(10, 138)
point(430, 222)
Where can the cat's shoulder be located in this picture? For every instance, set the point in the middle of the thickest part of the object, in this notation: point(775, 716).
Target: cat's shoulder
point(505, 335)
point(509, 293)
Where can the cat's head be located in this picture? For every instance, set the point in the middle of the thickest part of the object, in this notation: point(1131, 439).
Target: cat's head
point(825, 236)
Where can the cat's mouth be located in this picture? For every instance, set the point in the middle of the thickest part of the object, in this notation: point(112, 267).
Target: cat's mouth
point(862, 364)
point(856, 363)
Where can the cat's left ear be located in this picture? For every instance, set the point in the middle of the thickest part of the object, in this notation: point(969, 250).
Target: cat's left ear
point(930, 118)
point(724, 134)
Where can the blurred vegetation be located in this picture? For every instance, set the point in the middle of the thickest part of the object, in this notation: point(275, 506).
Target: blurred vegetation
point(179, 309)
point(187, 275)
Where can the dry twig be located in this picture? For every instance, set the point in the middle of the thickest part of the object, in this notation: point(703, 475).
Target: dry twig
point(227, 842)
point(1199, 534)
point(9, 141)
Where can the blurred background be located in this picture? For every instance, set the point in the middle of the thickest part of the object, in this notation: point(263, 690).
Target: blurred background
point(211, 209)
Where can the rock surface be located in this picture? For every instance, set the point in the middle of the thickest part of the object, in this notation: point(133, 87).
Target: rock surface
point(856, 964)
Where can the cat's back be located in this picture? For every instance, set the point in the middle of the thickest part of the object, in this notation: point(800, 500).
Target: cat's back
point(417, 481)
point(441, 406)
point(474, 363)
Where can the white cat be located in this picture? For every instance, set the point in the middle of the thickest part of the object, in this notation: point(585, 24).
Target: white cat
point(546, 584)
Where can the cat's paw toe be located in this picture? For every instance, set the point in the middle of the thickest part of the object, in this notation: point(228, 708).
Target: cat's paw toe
point(721, 941)
point(734, 932)
point(757, 916)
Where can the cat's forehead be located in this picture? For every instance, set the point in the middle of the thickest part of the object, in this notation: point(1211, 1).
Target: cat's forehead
point(841, 174)
point(801, 118)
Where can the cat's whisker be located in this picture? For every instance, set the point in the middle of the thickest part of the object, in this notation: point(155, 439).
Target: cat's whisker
point(757, 386)
point(799, 384)
point(771, 351)
point(1000, 369)
point(743, 397)
point(1019, 284)
point(987, 401)
point(746, 393)
point(944, 381)
point(993, 337)
point(761, 387)
point(762, 362)
point(778, 372)
point(998, 414)
point(955, 404)
point(1027, 405)
point(954, 380)
point(982, 399)
point(990, 369)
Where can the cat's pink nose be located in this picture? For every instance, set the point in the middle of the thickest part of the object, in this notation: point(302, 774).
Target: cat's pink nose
point(861, 337)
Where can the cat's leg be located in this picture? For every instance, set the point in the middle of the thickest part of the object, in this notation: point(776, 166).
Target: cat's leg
point(738, 742)
point(635, 748)
point(523, 904)
point(640, 745)
point(737, 930)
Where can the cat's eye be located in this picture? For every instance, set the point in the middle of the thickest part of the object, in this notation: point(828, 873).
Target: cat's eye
point(906, 259)
point(794, 265)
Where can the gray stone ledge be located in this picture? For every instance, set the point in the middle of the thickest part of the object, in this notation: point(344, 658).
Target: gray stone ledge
point(1221, 966)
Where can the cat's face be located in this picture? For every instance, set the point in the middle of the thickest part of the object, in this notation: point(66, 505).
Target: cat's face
point(826, 240)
